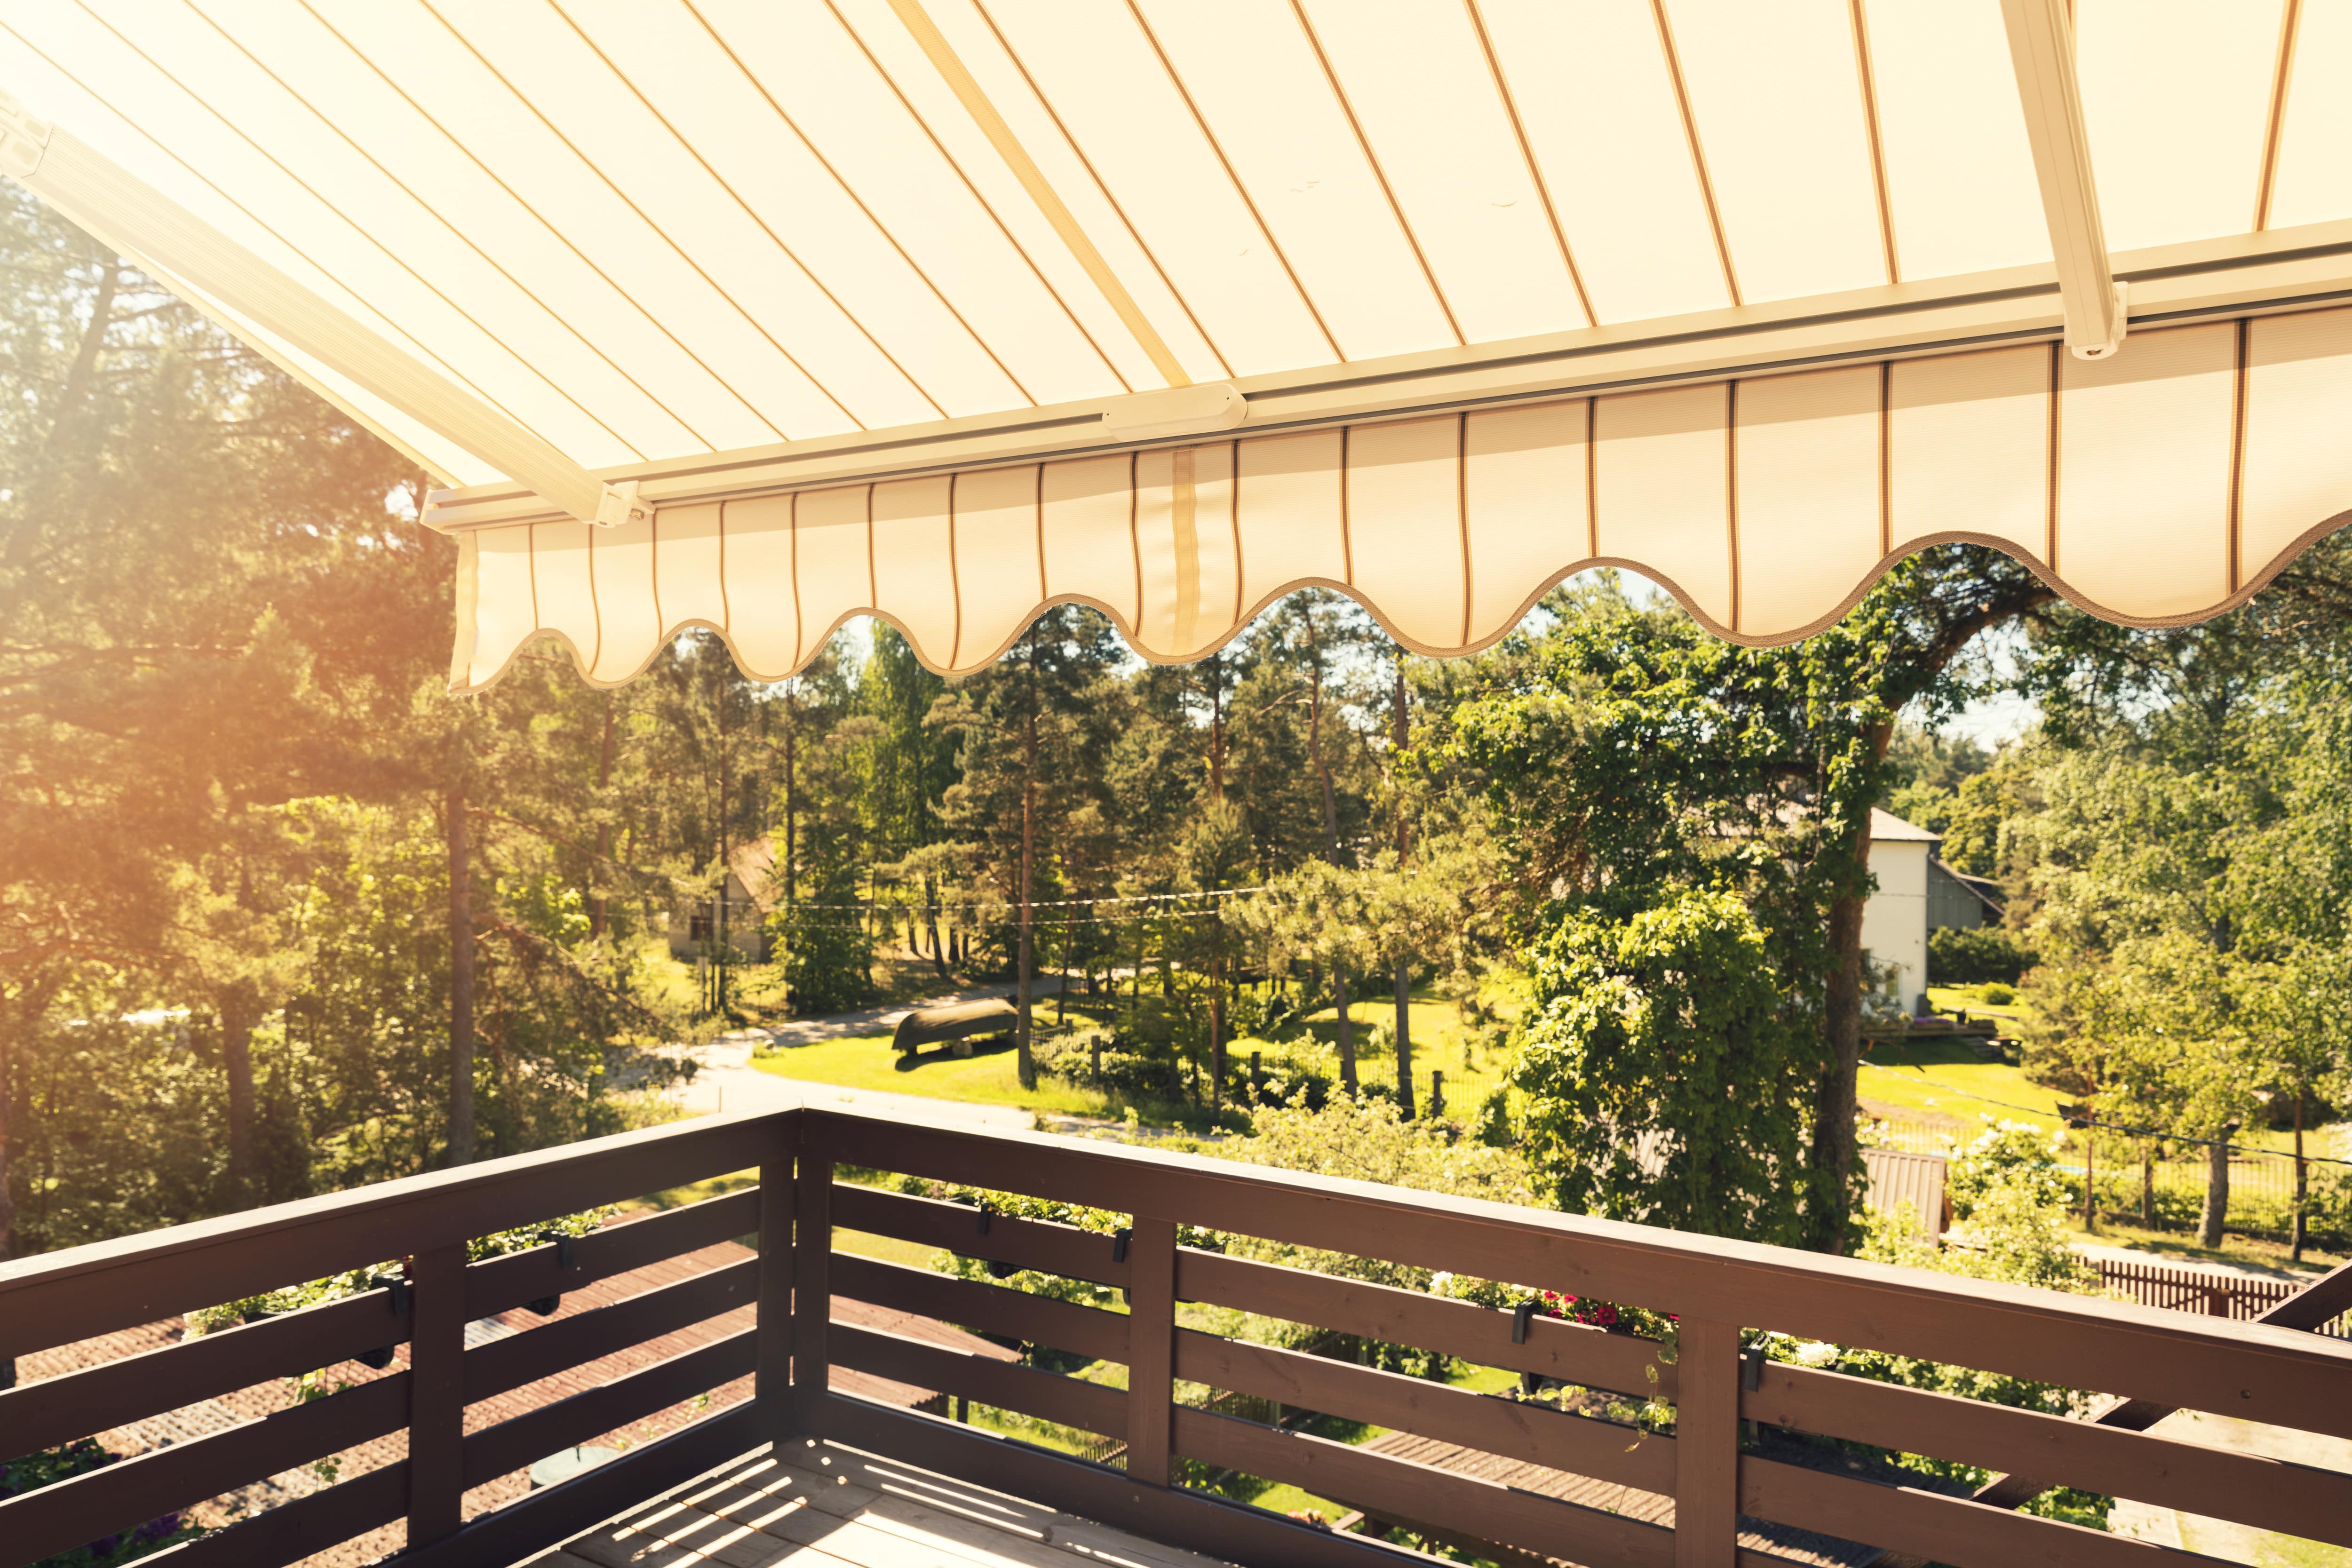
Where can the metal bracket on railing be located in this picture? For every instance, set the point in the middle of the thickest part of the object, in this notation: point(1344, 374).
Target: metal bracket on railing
point(1119, 1240)
point(1519, 1316)
point(563, 1244)
point(399, 1289)
point(1751, 1368)
point(982, 1225)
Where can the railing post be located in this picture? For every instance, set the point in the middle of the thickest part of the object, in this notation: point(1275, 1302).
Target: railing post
point(771, 1380)
point(1706, 1445)
point(1150, 1348)
point(812, 1254)
point(436, 1395)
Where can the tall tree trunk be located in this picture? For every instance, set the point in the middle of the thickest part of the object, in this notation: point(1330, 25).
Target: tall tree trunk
point(931, 922)
point(461, 987)
point(84, 369)
point(2090, 1168)
point(1833, 1104)
point(1331, 854)
point(1215, 665)
point(2216, 1217)
point(597, 912)
point(1069, 936)
point(2302, 1190)
point(1217, 1034)
point(725, 861)
point(1024, 1059)
point(1404, 1041)
point(1401, 735)
point(240, 1014)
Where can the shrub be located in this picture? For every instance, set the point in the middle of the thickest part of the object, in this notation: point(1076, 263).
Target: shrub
point(1962, 956)
point(1996, 994)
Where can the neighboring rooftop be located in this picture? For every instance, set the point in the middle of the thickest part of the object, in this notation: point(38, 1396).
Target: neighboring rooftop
point(1886, 826)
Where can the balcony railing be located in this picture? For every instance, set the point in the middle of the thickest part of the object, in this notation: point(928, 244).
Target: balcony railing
point(2155, 1360)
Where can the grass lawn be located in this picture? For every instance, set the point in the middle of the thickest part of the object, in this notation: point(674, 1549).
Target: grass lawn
point(1965, 999)
point(1945, 1076)
point(987, 1076)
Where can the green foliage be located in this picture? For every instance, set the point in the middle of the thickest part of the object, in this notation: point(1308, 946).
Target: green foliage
point(1969, 956)
point(1662, 1079)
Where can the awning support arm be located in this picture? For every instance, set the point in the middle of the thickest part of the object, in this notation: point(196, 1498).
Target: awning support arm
point(134, 217)
point(2041, 49)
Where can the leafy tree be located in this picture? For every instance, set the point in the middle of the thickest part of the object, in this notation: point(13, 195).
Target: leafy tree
point(1660, 1067)
point(1632, 759)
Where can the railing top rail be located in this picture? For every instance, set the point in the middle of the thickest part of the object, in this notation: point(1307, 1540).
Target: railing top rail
point(55, 1297)
point(2043, 1334)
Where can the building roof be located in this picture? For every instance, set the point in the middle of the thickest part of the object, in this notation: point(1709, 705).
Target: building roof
point(754, 866)
point(1886, 827)
point(1984, 889)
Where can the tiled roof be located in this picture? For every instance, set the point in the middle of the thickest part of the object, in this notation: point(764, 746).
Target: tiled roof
point(252, 1403)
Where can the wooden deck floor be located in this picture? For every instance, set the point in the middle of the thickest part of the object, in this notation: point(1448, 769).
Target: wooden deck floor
point(818, 1506)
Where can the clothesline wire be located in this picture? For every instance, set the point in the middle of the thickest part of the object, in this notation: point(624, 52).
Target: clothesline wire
point(2110, 1126)
point(944, 908)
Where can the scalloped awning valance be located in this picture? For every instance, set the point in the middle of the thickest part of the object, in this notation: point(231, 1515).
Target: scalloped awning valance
point(760, 314)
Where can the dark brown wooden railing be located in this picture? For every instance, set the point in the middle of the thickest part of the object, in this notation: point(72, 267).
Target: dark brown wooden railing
point(66, 1297)
point(2156, 1360)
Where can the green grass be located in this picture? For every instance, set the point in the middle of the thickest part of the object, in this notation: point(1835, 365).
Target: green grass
point(1945, 1076)
point(986, 1077)
point(1964, 999)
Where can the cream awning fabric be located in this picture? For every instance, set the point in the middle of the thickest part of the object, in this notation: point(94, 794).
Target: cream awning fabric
point(945, 310)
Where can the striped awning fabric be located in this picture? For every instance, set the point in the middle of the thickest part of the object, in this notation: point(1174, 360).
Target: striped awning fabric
point(760, 314)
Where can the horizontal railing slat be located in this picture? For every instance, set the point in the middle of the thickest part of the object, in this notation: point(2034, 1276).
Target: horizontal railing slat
point(115, 1394)
point(57, 1298)
point(1948, 1529)
point(1229, 1531)
point(567, 1343)
point(1535, 1433)
point(67, 1514)
point(987, 1309)
point(1068, 1401)
point(1026, 1243)
point(2270, 1494)
point(1448, 1498)
point(299, 1528)
point(2259, 1373)
point(302, 1527)
point(526, 1439)
point(500, 1284)
point(1568, 1351)
point(539, 1519)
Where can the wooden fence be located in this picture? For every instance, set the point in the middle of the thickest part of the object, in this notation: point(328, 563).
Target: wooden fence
point(2236, 1297)
point(1715, 1492)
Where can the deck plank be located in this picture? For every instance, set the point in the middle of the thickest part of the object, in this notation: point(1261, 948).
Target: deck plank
point(821, 1506)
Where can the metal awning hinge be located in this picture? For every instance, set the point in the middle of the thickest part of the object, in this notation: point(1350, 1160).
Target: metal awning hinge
point(621, 505)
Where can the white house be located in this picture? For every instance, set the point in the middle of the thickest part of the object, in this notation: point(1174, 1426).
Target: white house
point(1916, 893)
point(750, 891)
point(1895, 920)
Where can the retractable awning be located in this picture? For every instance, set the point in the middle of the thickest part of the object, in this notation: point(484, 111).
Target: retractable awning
point(760, 314)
